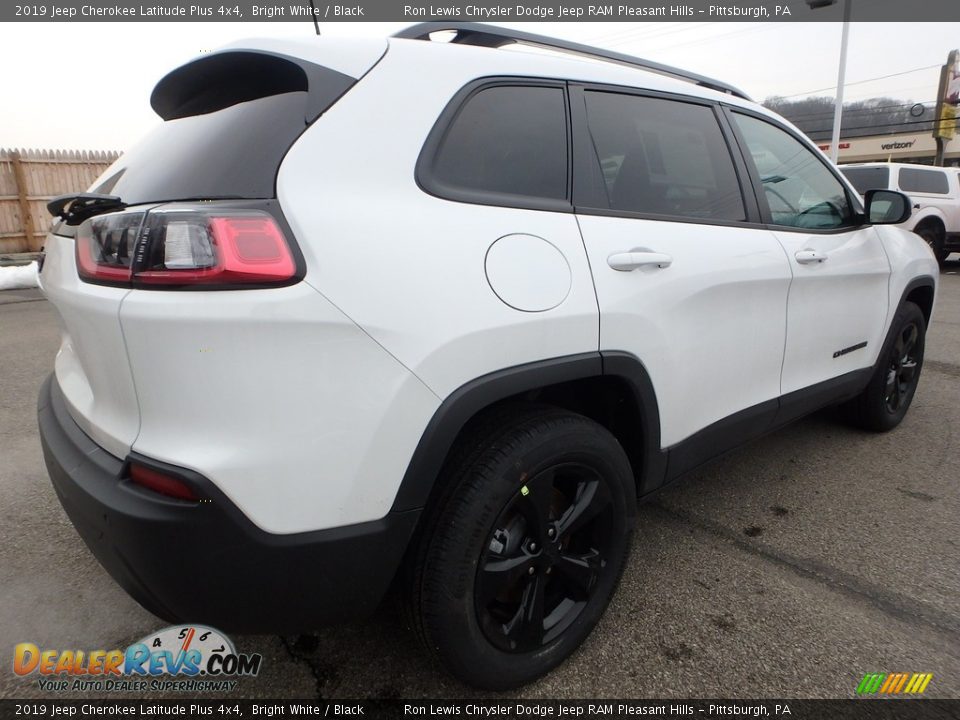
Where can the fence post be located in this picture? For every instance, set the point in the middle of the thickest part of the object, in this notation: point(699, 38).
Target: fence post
point(26, 219)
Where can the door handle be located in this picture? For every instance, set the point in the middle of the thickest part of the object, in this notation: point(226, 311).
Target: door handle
point(806, 257)
point(627, 261)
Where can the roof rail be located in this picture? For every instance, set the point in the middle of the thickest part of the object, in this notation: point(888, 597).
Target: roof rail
point(491, 36)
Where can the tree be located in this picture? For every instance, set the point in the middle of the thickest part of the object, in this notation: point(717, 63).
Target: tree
point(876, 116)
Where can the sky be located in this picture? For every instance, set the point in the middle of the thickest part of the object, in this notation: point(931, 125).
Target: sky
point(87, 85)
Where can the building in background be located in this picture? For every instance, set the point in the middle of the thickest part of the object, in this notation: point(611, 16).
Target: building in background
point(911, 147)
point(886, 129)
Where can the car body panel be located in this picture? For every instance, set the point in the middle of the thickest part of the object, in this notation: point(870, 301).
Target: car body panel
point(834, 305)
point(709, 328)
point(444, 322)
point(278, 398)
point(91, 364)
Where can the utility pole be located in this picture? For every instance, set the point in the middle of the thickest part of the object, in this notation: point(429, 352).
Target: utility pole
point(841, 76)
point(945, 121)
point(841, 72)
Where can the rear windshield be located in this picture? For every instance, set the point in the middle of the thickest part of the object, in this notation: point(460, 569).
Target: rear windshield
point(864, 179)
point(231, 153)
point(226, 135)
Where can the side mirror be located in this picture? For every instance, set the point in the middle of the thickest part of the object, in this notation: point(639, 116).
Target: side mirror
point(886, 207)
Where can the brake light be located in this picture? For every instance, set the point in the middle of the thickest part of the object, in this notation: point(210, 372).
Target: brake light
point(161, 483)
point(185, 247)
point(190, 248)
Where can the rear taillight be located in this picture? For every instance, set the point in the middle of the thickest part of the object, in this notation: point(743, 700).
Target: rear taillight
point(185, 247)
point(161, 483)
point(105, 247)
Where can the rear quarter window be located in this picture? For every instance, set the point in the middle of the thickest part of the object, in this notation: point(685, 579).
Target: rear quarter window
point(503, 145)
point(918, 180)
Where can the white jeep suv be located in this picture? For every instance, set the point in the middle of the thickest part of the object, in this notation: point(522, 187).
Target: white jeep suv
point(376, 312)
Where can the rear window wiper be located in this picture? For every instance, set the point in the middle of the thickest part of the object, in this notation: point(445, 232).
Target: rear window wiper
point(77, 207)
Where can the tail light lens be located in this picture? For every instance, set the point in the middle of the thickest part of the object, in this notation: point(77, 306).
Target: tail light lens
point(161, 483)
point(105, 247)
point(186, 248)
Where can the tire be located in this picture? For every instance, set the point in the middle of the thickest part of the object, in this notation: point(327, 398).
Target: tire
point(933, 235)
point(885, 401)
point(524, 549)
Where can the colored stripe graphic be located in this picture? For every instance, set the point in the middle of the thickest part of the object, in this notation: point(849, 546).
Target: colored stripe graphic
point(903, 680)
point(894, 683)
point(890, 683)
point(862, 687)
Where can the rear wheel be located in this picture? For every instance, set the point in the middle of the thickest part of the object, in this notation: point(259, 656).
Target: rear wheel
point(887, 398)
point(933, 234)
point(525, 549)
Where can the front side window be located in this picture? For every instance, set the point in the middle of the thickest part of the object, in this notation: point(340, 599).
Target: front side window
point(507, 140)
point(800, 190)
point(662, 157)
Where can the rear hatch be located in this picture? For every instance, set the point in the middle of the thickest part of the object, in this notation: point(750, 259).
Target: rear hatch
point(200, 211)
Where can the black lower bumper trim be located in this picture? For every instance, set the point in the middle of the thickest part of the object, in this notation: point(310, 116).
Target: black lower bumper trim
point(206, 562)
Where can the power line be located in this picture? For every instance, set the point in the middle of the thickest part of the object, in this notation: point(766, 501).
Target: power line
point(712, 38)
point(860, 82)
point(633, 35)
point(642, 32)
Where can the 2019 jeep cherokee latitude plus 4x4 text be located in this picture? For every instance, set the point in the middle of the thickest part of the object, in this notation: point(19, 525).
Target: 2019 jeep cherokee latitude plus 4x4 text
point(364, 312)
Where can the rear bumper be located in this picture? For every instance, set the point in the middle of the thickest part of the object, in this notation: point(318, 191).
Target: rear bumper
point(206, 562)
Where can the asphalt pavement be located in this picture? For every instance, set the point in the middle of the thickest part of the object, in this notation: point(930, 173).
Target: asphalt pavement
point(787, 569)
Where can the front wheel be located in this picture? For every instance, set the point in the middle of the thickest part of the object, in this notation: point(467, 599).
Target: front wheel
point(525, 549)
point(887, 398)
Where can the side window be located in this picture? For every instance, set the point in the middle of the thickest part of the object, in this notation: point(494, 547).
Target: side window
point(662, 157)
point(867, 178)
point(923, 181)
point(508, 140)
point(800, 189)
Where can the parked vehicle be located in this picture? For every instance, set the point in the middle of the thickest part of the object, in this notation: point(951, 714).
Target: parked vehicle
point(934, 194)
point(435, 314)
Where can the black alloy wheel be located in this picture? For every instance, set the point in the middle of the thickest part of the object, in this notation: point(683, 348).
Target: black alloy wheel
point(522, 552)
point(902, 368)
point(887, 397)
point(544, 558)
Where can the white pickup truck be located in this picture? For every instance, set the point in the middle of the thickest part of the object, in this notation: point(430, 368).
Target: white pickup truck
point(935, 192)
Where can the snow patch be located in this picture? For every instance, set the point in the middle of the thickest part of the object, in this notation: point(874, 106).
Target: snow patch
point(19, 277)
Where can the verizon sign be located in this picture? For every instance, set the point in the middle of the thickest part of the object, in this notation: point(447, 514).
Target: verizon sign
point(891, 147)
point(898, 145)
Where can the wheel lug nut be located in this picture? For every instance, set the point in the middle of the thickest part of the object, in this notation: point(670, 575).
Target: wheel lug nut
point(533, 547)
point(531, 571)
point(549, 570)
point(551, 533)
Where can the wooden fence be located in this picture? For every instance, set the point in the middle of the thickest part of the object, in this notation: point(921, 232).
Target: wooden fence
point(29, 178)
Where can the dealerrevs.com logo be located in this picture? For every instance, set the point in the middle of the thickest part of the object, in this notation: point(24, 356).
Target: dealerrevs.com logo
point(192, 658)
